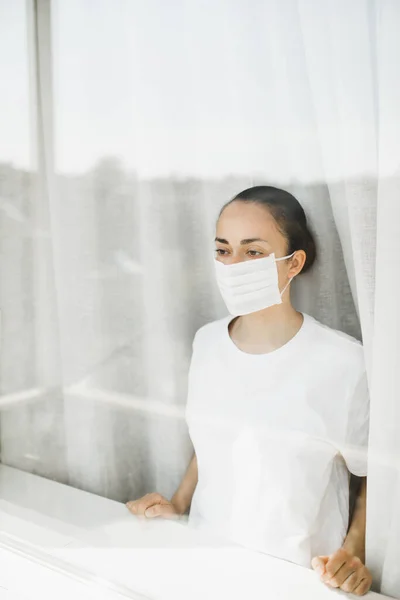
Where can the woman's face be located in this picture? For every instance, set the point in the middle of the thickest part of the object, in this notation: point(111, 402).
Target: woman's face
point(249, 232)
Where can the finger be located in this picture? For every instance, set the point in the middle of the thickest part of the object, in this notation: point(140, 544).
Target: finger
point(335, 562)
point(154, 498)
point(363, 587)
point(318, 564)
point(139, 507)
point(350, 584)
point(352, 565)
point(346, 571)
point(152, 511)
point(142, 507)
point(132, 507)
point(160, 510)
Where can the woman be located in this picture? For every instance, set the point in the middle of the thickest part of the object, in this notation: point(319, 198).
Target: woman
point(277, 406)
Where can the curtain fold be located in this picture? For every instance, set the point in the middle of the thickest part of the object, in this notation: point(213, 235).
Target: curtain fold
point(383, 533)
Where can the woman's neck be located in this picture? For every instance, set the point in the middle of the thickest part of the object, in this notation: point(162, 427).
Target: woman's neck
point(266, 330)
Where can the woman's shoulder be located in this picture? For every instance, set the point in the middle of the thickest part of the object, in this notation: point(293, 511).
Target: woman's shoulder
point(335, 342)
point(212, 329)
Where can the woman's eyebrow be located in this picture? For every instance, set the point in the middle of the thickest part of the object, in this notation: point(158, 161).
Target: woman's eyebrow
point(251, 240)
point(243, 242)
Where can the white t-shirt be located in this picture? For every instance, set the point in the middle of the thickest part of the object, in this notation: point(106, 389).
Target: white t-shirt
point(275, 436)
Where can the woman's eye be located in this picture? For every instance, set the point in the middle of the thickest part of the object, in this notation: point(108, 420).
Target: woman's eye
point(254, 253)
point(220, 251)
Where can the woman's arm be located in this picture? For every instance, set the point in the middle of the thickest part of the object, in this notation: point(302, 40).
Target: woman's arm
point(184, 494)
point(355, 539)
point(155, 505)
point(345, 568)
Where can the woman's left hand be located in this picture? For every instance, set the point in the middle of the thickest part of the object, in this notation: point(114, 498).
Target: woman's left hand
point(343, 570)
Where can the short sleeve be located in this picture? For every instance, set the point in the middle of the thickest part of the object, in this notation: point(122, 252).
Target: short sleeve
point(355, 447)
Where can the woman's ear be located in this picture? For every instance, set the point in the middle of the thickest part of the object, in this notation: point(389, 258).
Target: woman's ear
point(297, 263)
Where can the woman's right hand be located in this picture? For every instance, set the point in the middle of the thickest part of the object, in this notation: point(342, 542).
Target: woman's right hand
point(153, 505)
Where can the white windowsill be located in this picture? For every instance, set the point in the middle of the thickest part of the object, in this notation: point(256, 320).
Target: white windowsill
point(61, 542)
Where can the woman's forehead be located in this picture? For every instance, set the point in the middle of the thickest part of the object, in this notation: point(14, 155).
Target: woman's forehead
point(247, 221)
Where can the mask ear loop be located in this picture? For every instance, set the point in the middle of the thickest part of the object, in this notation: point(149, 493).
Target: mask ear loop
point(286, 286)
point(291, 279)
point(286, 257)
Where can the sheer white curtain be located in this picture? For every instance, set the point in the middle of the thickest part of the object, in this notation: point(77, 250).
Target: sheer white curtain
point(365, 110)
point(147, 117)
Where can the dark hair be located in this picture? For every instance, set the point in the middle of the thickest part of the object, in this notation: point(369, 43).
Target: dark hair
point(288, 214)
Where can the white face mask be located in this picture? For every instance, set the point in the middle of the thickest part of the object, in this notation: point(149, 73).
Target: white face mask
point(251, 285)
